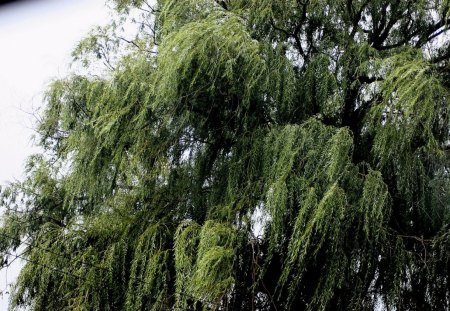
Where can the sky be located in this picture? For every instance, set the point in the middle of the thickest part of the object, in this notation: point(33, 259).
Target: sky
point(37, 37)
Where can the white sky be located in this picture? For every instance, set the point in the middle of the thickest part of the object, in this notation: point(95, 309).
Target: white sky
point(37, 37)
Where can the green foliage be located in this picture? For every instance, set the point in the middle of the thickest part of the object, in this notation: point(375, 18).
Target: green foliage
point(149, 273)
point(213, 277)
point(186, 246)
point(243, 155)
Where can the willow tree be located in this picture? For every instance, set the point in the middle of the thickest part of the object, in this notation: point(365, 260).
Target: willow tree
point(243, 155)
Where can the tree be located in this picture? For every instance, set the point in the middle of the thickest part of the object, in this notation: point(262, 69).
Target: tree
point(244, 155)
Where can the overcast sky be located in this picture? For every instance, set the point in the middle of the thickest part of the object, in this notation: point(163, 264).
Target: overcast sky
point(37, 37)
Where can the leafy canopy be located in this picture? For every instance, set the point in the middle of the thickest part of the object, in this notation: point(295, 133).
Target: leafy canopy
point(243, 155)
